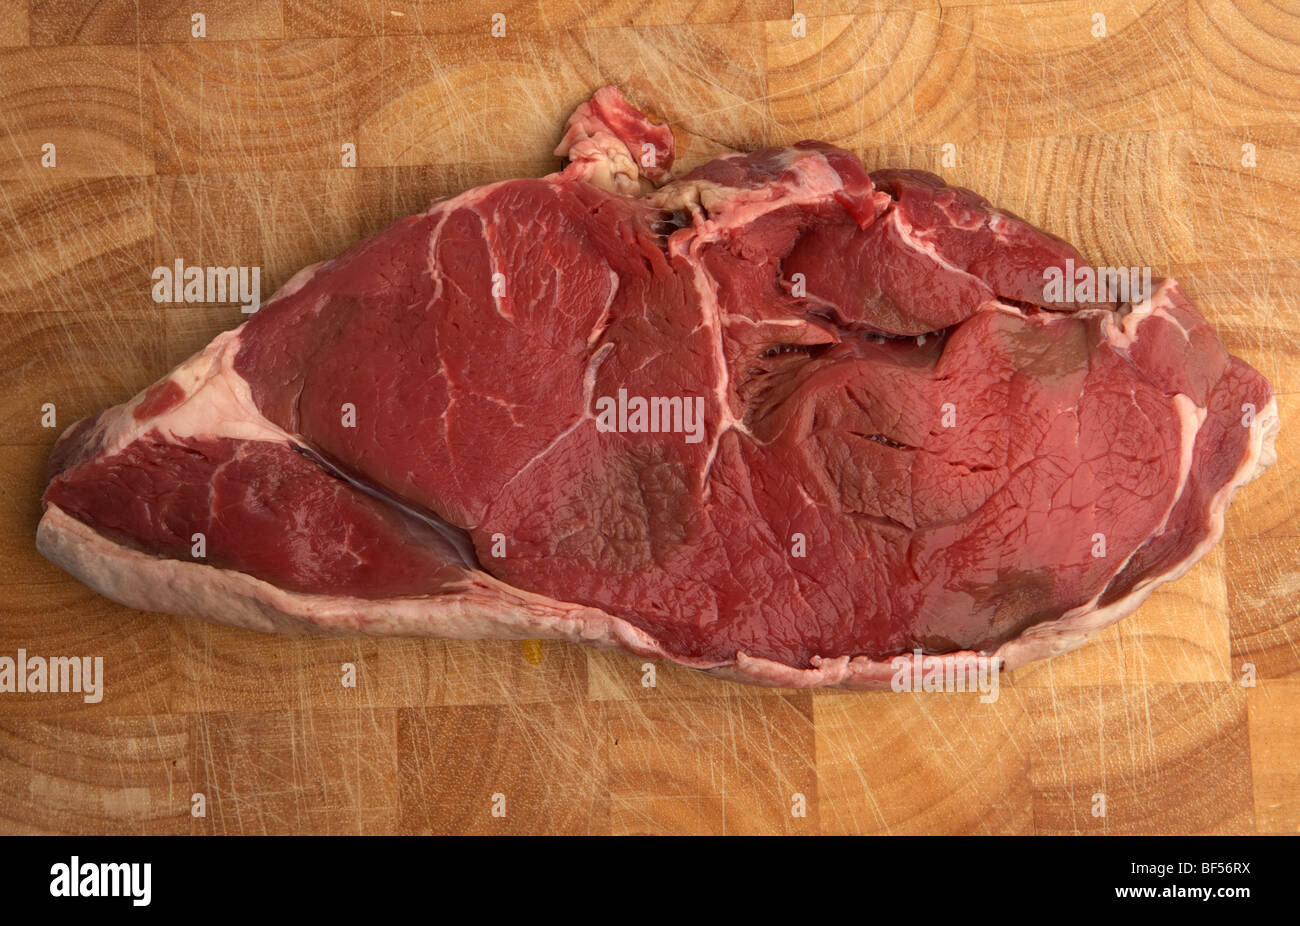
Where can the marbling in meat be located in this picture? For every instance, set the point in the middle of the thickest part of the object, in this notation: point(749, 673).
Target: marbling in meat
point(841, 422)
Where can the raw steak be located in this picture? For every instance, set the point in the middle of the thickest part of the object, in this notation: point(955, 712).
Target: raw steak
point(871, 433)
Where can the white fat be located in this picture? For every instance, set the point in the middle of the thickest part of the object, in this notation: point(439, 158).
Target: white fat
point(814, 181)
point(1122, 335)
point(217, 402)
point(1190, 418)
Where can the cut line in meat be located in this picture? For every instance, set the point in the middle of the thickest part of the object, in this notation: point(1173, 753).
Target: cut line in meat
point(777, 418)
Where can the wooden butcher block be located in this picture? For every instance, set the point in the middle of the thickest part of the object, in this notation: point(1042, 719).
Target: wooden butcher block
point(1147, 133)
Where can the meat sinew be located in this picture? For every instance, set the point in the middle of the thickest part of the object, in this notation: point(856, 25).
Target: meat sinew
point(777, 418)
